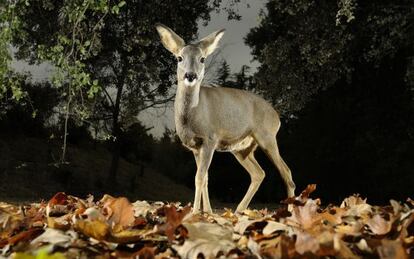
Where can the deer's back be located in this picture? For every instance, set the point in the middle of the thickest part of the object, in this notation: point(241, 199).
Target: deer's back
point(233, 113)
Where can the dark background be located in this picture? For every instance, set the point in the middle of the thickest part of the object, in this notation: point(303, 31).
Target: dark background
point(342, 77)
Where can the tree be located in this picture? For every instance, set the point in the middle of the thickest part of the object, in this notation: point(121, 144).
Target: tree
point(240, 80)
point(223, 73)
point(9, 25)
point(131, 68)
point(307, 46)
point(244, 79)
point(344, 68)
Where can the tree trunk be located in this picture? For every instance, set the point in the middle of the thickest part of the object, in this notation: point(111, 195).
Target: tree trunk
point(116, 145)
point(116, 130)
point(113, 169)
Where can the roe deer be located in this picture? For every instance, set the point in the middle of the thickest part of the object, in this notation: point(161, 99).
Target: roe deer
point(211, 119)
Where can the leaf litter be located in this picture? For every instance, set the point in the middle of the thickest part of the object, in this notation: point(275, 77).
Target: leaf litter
point(113, 227)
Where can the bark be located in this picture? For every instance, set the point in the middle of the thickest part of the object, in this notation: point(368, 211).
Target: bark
point(116, 145)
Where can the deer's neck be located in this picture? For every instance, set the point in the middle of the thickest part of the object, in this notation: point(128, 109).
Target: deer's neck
point(186, 99)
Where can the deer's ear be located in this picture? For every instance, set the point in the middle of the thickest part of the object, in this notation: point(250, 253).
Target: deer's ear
point(170, 39)
point(210, 43)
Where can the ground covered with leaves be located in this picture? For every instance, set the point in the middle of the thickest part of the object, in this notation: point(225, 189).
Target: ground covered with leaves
point(70, 227)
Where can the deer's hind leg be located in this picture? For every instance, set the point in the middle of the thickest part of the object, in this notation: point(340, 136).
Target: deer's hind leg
point(267, 142)
point(247, 160)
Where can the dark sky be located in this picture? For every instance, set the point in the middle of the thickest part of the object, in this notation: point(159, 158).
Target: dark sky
point(232, 49)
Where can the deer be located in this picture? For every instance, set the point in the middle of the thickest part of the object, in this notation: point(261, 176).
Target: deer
point(209, 119)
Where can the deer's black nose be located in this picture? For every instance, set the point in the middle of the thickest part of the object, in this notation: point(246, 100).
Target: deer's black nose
point(190, 76)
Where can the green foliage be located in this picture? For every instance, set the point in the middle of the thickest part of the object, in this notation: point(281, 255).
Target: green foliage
point(108, 51)
point(108, 64)
point(306, 46)
point(9, 26)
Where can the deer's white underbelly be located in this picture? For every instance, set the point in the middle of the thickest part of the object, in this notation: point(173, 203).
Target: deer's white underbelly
point(240, 145)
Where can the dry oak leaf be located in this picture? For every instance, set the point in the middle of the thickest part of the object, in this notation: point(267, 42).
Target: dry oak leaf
point(243, 223)
point(174, 219)
point(324, 243)
point(332, 215)
point(56, 237)
point(306, 242)
point(356, 207)
point(229, 215)
point(205, 239)
point(350, 226)
point(59, 210)
point(35, 215)
point(378, 225)
point(11, 218)
point(132, 235)
point(95, 229)
point(407, 225)
point(284, 247)
point(266, 243)
point(23, 236)
point(305, 216)
point(307, 192)
point(390, 249)
point(352, 201)
point(146, 253)
point(141, 208)
point(120, 213)
point(273, 226)
point(252, 214)
point(62, 222)
point(58, 205)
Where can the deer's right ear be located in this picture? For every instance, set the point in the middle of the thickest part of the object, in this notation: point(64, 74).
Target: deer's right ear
point(170, 39)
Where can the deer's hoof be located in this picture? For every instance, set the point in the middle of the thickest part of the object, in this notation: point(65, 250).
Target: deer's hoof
point(195, 211)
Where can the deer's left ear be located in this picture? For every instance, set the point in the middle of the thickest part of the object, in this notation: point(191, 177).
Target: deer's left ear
point(210, 43)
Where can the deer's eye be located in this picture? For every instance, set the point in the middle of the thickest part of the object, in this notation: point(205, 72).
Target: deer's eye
point(179, 58)
point(202, 60)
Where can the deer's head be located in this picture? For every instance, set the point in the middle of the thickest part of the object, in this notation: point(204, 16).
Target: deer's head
point(191, 57)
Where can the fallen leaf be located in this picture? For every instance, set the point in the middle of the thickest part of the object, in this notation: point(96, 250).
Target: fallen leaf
point(24, 236)
point(58, 205)
point(350, 226)
point(352, 201)
point(96, 229)
point(378, 225)
point(56, 237)
point(174, 219)
point(305, 216)
point(273, 226)
point(205, 239)
point(129, 236)
point(141, 208)
point(146, 253)
point(252, 214)
point(62, 222)
point(391, 249)
point(120, 213)
point(11, 218)
point(243, 223)
point(307, 192)
point(306, 242)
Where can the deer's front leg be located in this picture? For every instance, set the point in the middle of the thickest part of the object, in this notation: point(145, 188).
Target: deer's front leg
point(205, 155)
point(204, 192)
